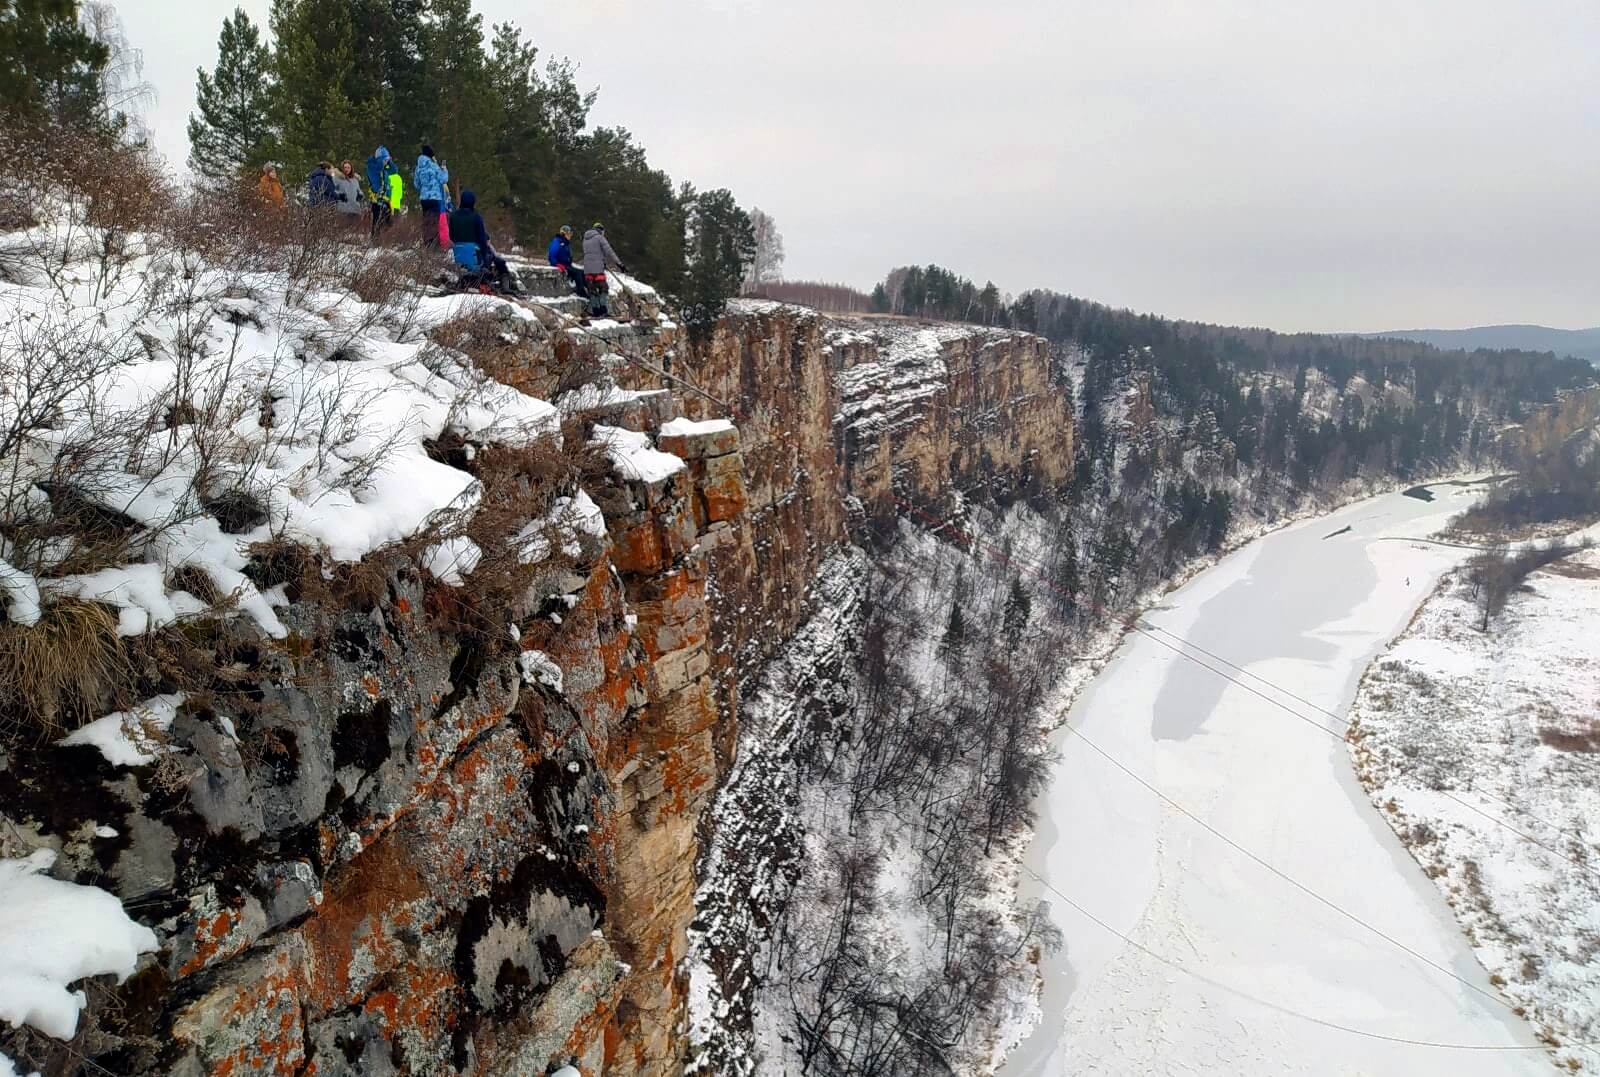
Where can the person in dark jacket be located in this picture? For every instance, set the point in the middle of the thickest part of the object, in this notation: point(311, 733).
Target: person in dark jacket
point(560, 255)
point(320, 189)
point(597, 258)
point(469, 243)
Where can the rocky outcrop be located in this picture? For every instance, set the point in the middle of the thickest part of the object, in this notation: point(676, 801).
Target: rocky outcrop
point(845, 425)
point(417, 836)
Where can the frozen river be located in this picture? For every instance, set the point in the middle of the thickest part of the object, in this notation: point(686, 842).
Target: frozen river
point(1267, 971)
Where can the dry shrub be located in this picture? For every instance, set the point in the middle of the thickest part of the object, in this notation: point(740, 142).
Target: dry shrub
point(57, 674)
point(357, 585)
point(519, 484)
point(575, 368)
point(498, 350)
point(81, 538)
point(120, 187)
point(385, 274)
point(1585, 741)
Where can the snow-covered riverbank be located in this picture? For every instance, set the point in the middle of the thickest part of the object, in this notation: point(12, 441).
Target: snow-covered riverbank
point(1304, 609)
point(1480, 750)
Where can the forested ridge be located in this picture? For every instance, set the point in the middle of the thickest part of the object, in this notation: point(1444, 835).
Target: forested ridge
point(1375, 406)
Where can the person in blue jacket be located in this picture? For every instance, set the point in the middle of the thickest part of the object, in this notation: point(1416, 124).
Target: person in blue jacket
point(560, 255)
point(320, 189)
point(430, 178)
point(469, 243)
point(380, 166)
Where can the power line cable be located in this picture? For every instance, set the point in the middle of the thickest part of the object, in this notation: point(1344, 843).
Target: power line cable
point(1291, 880)
point(1133, 623)
point(1349, 723)
point(1279, 1007)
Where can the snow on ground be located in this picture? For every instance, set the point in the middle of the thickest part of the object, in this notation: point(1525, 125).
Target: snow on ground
point(681, 427)
point(754, 859)
point(1265, 961)
point(191, 409)
point(1480, 750)
point(178, 386)
point(635, 456)
point(53, 933)
point(208, 408)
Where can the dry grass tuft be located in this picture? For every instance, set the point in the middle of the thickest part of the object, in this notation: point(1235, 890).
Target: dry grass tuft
point(519, 484)
point(55, 675)
point(499, 350)
point(1586, 741)
point(388, 273)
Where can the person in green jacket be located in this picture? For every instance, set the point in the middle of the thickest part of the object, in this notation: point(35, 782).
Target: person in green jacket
point(397, 191)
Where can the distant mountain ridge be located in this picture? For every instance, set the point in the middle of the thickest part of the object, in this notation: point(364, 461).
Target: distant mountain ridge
point(1582, 343)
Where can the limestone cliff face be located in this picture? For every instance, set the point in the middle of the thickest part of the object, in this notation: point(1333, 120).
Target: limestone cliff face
point(416, 849)
point(846, 423)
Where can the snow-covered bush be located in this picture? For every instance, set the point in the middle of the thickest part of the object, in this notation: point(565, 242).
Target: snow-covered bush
point(189, 380)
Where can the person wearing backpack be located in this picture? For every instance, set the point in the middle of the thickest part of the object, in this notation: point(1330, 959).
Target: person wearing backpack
point(380, 168)
point(469, 243)
point(430, 177)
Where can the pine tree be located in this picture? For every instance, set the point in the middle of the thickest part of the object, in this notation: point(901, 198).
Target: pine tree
point(466, 133)
point(1066, 578)
point(721, 243)
point(231, 134)
point(51, 65)
point(1114, 550)
point(389, 40)
point(1018, 609)
point(329, 101)
point(954, 639)
point(540, 132)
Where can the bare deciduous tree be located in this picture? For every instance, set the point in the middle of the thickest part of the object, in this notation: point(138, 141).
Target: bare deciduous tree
point(767, 266)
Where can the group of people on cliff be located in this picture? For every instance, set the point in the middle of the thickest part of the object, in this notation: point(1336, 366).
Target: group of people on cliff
point(383, 200)
point(456, 227)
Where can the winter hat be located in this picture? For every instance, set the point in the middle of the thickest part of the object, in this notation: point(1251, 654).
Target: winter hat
point(382, 153)
point(468, 199)
point(427, 150)
point(566, 230)
point(598, 227)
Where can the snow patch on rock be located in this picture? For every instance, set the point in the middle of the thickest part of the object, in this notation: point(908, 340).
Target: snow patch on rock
point(52, 934)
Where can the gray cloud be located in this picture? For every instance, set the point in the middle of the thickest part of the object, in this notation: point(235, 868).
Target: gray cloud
point(1360, 165)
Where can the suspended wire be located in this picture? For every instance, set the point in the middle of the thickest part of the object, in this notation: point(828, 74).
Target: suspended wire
point(1149, 630)
point(1291, 880)
point(1134, 624)
point(1279, 1007)
point(1349, 723)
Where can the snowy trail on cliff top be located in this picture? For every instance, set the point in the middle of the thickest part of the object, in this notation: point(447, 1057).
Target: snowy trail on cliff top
point(1306, 610)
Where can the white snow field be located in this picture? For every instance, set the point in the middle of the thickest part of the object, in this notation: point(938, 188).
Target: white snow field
point(1480, 749)
point(1263, 977)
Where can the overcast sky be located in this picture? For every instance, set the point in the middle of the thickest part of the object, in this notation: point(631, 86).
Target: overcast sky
point(1360, 164)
